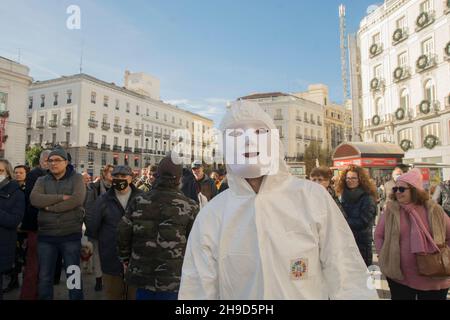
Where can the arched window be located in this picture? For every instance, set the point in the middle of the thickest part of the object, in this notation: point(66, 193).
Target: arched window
point(429, 90)
point(404, 99)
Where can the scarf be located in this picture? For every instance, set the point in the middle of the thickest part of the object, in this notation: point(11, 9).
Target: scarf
point(352, 195)
point(421, 239)
point(389, 258)
point(4, 182)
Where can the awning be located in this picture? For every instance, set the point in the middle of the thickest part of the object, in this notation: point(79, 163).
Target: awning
point(348, 150)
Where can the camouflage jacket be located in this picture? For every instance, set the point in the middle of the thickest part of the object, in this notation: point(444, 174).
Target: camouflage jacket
point(152, 237)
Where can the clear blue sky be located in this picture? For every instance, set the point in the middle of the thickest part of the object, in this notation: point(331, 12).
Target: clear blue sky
point(204, 52)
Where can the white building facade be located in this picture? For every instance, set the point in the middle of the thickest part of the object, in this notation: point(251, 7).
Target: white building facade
point(101, 123)
point(299, 121)
point(405, 76)
point(14, 84)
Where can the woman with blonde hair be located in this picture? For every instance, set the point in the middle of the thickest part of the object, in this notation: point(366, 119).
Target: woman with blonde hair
point(358, 196)
point(12, 207)
point(411, 225)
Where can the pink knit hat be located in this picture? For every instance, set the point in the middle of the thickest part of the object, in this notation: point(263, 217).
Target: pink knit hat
point(413, 177)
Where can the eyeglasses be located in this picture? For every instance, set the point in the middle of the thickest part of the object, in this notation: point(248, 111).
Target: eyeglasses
point(399, 189)
point(55, 161)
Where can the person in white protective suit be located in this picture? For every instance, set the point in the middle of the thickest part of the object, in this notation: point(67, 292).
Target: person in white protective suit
point(270, 235)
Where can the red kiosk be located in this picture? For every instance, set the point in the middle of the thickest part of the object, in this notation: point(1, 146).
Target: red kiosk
point(378, 158)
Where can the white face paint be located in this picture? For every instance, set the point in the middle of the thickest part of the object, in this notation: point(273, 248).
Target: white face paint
point(251, 149)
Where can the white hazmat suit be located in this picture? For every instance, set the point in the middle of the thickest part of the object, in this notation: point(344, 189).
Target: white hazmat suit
point(288, 241)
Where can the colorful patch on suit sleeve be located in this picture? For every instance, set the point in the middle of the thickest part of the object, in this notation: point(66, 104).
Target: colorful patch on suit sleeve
point(299, 269)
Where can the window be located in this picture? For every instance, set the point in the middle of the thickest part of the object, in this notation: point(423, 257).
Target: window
point(136, 144)
point(378, 106)
point(42, 101)
point(381, 137)
point(91, 137)
point(429, 91)
point(127, 122)
point(105, 118)
point(117, 104)
point(401, 23)
point(103, 159)
point(305, 116)
point(30, 105)
point(92, 115)
point(125, 160)
point(137, 110)
point(426, 6)
point(318, 119)
point(53, 138)
point(28, 139)
point(147, 113)
point(41, 138)
point(403, 59)
point(376, 38)
point(55, 117)
point(404, 100)
point(103, 139)
point(136, 161)
point(405, 134)
point(377, 71)
point(312, 118)
point(105, 101)
point(29, 121)
point(116, 141)
point(279, 128)
point(173, 119)
point(165, 117)
point(432, 128)
point(428, 47)
point(126, 142)
point(116, 159)
point(42, 120)
point(127, 109)
point(181, 122)
point(90, 157)
point(116, 121)
point(325, 101)
point(157, 115)
point(55, 99)
point(68, 137)
point(93, 97)
point(69, 96)
point(69, 116)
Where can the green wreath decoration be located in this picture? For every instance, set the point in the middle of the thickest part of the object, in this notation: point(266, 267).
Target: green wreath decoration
point(373, 49)
point(398, 73)
point(422, 19)
point(422, 61)
point(376, 120)
point(398, 35)
point(430, 141)
point(447, 48)
point(425, 107)
point(406, 144)
point(374, 83)
point(400, 114)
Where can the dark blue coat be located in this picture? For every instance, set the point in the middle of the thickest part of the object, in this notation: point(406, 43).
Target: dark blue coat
point(12, 207)
point(103, 226)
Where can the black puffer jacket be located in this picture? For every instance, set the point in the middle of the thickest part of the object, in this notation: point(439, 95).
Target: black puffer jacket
point(12, 208)
point(361, 210)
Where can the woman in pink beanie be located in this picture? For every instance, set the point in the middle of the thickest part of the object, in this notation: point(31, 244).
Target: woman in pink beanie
point(412, 224)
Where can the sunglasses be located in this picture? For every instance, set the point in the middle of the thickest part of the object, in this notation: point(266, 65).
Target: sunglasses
point(399, 189)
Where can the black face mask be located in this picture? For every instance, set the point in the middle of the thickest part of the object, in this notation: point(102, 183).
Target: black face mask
point(119, 184)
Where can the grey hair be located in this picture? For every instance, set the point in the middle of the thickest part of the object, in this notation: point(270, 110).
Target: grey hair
point(8, 168)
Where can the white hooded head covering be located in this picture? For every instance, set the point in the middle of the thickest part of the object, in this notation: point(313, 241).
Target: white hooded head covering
point(239, 113)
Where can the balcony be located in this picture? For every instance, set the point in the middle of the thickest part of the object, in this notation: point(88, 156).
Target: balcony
point(306, 120)
point(29, 126)
point(127, 149)
point(166, 137)
point(148, 133)
point(426, 62)
point(64, 144)
point(92, 123)
point(375, 50)
point(105, 147)
point(377, 84)
point(426, 107)
point(313, 121)
point(157, 135)
point(92, 145)
point(117, 128)
point(117, 148)
point(147, 151)
point(278, 117)
point(137, 132)
point(319, 123)
point(53, 123)
point(106, 126)
point(424, 20)
point(127, 130)
point(307, 138)
point(401, 73)
point(40, 125)
point(319, 139)
point(299, 119)
point(66, 122)
point(4, 114)
point(137, 150)
point(400, 35)
point(299, 136)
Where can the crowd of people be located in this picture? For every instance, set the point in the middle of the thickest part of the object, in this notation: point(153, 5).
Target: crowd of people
point(240, 232)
